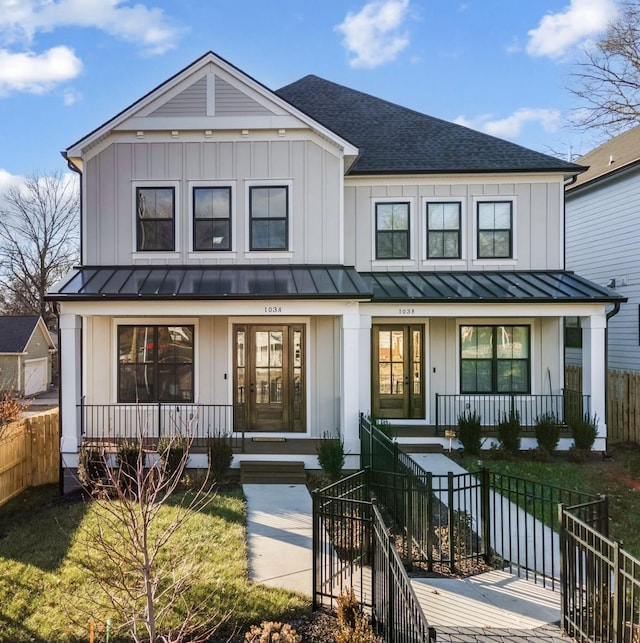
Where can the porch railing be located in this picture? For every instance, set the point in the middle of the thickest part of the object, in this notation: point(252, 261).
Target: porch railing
point(494, 407)
point(155, 420)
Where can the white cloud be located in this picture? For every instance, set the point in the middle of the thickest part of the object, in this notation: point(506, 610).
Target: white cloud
point(511, 126)
point(8, 180)
point(146, 27)
point(373, 34)
point(71, 97)
point(37, 73)
point(558, 32)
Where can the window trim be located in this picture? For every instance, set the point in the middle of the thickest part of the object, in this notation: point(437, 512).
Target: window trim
point(175, 186)
point(425, 209)
point(407, 261)
point(286, 218)
point(522, 323)
point(195, 185)
point(268, 252)
point(510, 260)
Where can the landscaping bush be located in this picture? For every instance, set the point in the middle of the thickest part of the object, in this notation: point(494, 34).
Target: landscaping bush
point(128, 453)
point(272, 631)
point(508, 430)
point(470, 432)
point(547, 432)
point(220, 456)
point(172, 454)
point(330, 452)
point(584, 431)
point(353, 624)
point(91, 467)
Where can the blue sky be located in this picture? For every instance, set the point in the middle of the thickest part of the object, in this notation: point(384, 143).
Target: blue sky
point(501, 66)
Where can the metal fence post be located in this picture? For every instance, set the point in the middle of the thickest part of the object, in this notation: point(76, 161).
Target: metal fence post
point(452, 526)
point(564, 594)
point(484, 514)
point(315, 549)
point(409, 520)
point(159, 419)
point(618, 595)
point(429, 518)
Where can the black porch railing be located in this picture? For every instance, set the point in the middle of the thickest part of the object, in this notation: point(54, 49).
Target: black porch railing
point(353, 551)
point(492, 408)
point(114, 422)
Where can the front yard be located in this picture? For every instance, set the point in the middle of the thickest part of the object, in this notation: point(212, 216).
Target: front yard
point(47, 595)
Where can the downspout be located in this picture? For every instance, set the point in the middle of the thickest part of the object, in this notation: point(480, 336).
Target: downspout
point(56, 310)
point(77, 170)
point(614, 311)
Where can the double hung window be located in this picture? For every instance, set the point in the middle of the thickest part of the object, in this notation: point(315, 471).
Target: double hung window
point(269, 217)
point(155, 364)
point(212, 218)
point(443, 230)
point(495, 229)
point(155, 218)
point(392, 230)
point(495, 359)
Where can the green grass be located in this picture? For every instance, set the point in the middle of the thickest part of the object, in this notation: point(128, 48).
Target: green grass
point(617, 476)
point(45, 591)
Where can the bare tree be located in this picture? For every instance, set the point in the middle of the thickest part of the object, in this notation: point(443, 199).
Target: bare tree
point(143, 578)
point(38, 240)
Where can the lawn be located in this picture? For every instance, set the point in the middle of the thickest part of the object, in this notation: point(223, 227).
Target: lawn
point(617, 476)
point(46, 593)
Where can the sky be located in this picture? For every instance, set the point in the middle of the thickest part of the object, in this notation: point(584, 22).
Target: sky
point(499, 66)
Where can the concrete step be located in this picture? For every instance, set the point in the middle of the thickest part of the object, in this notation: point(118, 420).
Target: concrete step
point(409, 447)
point(272, 472)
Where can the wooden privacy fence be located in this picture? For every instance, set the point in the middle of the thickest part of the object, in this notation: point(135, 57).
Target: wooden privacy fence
point(623, 402)
point(29, 454)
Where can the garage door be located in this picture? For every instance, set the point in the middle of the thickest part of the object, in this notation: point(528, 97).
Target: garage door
point(35, 376)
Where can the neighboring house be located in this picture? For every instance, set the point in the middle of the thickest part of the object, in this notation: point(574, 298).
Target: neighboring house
point(603, 241)
point(274, 263)
point(26, 350)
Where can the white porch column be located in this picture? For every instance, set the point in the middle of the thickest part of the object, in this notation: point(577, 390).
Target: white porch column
point(365, 363)
point(594, 371)
point(70, 388)
point(350, 380)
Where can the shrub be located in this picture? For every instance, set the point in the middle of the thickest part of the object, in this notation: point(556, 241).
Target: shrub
point(272, 631)
point(172, 454)
point(128, 453)
point(509, 432)
point(91, 467)
point(547, 432)
point(330, 452)
point(584, 431)
point(470, 432)
point(220, 456)
point(353, 624)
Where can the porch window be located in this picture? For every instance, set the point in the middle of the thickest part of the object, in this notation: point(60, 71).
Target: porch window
point(572, 332)
point(495, 229)
point(212, 218)
point(155, 364)
point(155, 215)
point(392, 231)
point(495, 359)
point(443, 230)
point(269, 217)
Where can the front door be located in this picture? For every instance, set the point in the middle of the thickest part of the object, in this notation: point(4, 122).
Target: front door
point(269, 391)
point(398, 364)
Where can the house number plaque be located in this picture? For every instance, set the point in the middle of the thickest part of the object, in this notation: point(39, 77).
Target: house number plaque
point(406, 311)
point(272, 310)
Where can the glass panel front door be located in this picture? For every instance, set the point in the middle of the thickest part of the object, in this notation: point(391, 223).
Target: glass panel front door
point(269, 378)
point(397, 386)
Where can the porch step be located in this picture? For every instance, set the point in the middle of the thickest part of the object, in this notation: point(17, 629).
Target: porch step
point(421, 448)
point(272, 472)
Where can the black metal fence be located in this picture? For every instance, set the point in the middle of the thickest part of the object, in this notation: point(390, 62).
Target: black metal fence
point(353, 551)
point(493, 408)
point(155, 420)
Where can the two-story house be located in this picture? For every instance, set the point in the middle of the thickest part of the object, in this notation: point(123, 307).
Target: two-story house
point(272, 263)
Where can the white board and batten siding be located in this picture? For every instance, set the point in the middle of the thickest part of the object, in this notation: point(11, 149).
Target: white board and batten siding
point(603, 243)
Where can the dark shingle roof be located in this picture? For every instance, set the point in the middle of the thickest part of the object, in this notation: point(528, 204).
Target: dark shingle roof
point(394, 139)
point(15, 332)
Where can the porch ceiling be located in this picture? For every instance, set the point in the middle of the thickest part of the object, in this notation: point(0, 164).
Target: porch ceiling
point(492, 286)
point(211, 282)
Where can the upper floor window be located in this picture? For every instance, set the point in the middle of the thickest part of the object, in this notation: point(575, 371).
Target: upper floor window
point(155, 364)
point(155, 217)
point(392, 231)
point(443, 230)
point(572, 332)
point(269, 217)
point(212, 218)
point(495, 229)
point(495, 359)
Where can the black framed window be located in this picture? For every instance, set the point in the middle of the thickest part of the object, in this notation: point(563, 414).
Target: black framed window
point(392, 231)
point(495, 359)
point(572, 332)
point(212, 218)
point(155, 364)
point(269, 217)
point(443, 230)
point(495, 229)
point(155, 215)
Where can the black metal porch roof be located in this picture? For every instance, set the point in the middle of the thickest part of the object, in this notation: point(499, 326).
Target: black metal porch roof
point(327, 282)
point(212, 282)
point(487, 286)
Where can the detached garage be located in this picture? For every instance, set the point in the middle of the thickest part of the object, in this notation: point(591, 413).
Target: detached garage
point(26, 349)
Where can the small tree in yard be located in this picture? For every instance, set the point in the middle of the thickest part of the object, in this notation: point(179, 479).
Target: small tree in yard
point(142, 580)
